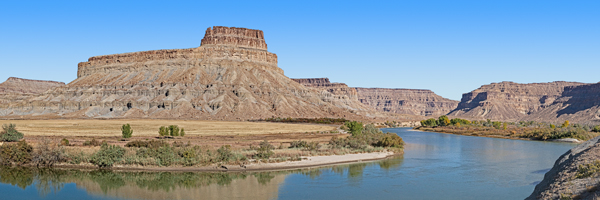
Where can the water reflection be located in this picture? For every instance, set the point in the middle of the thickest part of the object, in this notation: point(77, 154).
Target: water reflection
point(172, 185)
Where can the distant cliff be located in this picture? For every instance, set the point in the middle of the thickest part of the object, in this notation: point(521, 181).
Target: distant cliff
point(399, 101)
point(19, 88)
point(406, 101)
point(549, 102)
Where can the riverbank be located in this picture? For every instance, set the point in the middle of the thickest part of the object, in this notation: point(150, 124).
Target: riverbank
point(306, 162)
point(491, 133)
point(173, 150)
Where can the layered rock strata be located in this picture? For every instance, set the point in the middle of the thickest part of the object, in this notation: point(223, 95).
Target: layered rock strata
point(399, 101)
point(508, 101)
point(406, 101)
point(231, 76)
point(340, 89)
point(561, 182)
point(14, 89)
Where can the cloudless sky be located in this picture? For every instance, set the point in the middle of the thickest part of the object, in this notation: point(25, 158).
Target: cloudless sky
point(450, 47)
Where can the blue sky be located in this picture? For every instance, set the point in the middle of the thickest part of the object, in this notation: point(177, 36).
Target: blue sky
point(450, 47)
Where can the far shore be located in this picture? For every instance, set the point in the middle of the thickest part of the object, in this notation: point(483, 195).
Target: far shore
point(564, 140)
point(306, 162)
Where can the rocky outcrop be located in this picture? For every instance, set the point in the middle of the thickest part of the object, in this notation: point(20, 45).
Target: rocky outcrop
point(16, 85)
point(580, 104)
point(340, 89)
point(406, 101)
point(398, 101)
point(14, 88)
point(231, 76)
point(561, 181)
point(508, 101)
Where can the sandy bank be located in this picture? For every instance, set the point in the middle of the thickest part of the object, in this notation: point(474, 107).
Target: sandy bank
point(306, 162)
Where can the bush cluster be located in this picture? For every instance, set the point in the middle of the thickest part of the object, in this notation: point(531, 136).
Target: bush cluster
point(587, 170)
point(370, 136)
point(47, 155)
point(307, 146)
point(93, 142)
point(171, 130)
point(307, 120)
point(153, 144)
point(108, 155)
point(16, 154)
point(354, 127)
point(10, 134)
point(265, 150)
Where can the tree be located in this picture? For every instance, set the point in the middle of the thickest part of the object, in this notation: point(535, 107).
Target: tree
point(566, 124)
point(126, 131)
point(10, 133)
point(162, 131)
point(552, 126)
point(429, 122)
point(174, 130)
point(505, 125)
point(354, 127)
point(443, 121)
point(182, 133)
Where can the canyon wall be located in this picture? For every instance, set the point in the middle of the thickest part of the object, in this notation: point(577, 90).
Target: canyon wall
point(231, 76)
point(406, 101)
point(340, 89)
point(14, 89)
point(548, 102)
point(398, 101)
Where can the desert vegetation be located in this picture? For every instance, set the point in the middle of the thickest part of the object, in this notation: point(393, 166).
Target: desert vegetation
point(167, 149)
point(306, 120)
point(523, 129)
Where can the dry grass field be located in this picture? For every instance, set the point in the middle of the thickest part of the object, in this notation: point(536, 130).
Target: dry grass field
point(149, 127)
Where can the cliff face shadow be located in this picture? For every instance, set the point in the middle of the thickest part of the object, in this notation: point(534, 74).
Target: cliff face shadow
point(580, 98)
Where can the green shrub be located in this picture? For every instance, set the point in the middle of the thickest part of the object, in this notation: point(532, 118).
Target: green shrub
point(126, 131)
point(18, 154)
point(311, 146)
point(390, 140)
point(163, 131)
point(46, 155)
point(429, 122)
point(10, 134)
point(174, 130)
point(265, 150)
point(152, 144)
point(108, 155)
point(189, 156)
point(93, 142)
point(298, 144)
point(224, 154)
point(443, 121)
point(354, 127)
point(587, 170)
point(182, 133)
point(165, 156)
point(64, 142)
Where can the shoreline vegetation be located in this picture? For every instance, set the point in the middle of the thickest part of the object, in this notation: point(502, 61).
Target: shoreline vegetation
point(173, 149)
point(524, 130)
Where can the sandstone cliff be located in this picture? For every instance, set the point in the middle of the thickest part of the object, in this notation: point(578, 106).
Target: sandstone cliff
point(399, 101)
point(231, 76)
point(406, 101)
point(340, 89)
point(18, 88)
point(508, 101)
point(561, 181)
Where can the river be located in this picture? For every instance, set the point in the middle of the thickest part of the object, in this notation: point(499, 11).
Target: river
point(434, 166)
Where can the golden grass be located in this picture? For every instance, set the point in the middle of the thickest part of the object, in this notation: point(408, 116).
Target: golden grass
point(149, 127)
